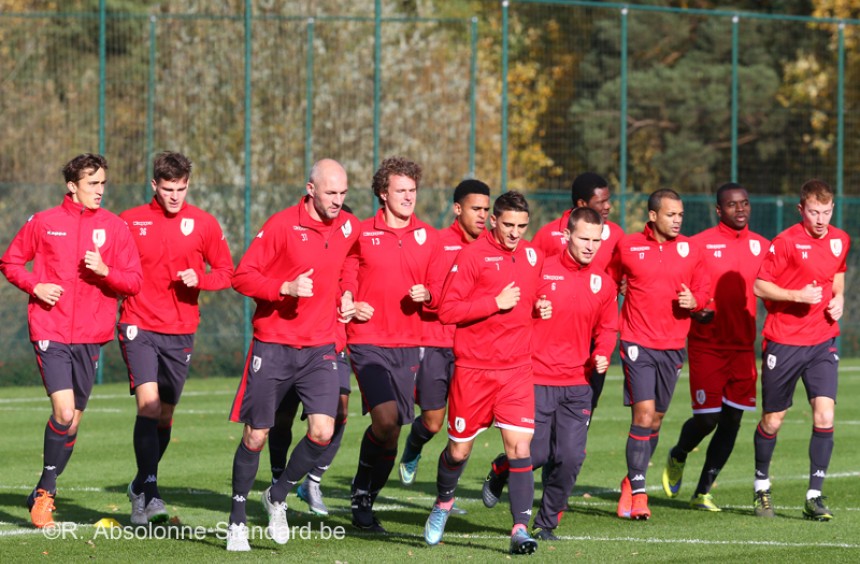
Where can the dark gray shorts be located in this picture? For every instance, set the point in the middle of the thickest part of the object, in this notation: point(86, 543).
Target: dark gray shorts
point(386, 374)
point(650, 374)
point(156, 357)
point(434, 378)
point(68, 367)
point(783, 365)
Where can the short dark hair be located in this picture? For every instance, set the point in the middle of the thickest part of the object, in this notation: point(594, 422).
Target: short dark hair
point(587, 215)
point(727, 187)
point(584, 186)
point(470, 186)
point(656, 198)
point(817, 189)
point(171, 165)
point(394, 166)
point(74, 169)
point(510, 201)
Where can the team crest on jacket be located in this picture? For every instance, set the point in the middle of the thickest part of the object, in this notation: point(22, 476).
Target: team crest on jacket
point(187, 226)
point(131, 332)
point(604, 235)
point(256, 363)
point(459, 424)
point(421, 236)
point(43, 345)
point(771, 361)
point(836, 247)
point(531, 255)
point(684, 248)
point(99, 237)
point(632, 353)
point(346, 229)
point(596, 283)
point(755, 247)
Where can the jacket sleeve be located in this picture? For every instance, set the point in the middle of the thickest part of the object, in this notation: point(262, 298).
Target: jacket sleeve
point(349, 270)
point(605, 332)
point(125, 276)
point(21, 250)
point(217, 254)
point(700, 283)
point(250, 277)
point(457, 306)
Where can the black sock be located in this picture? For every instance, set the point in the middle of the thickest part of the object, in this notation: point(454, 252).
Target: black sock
point(54, 443)
point(164, 439)
point(146, 454)
point(447, 475)
point(245, 464)
point(638, 456)
point(653, 439)
point(693, 432)
point(279, 444)
point(368, 456)
point(764, 446)
point(521, 489)
point(302, 460)
point(68, 447)
point(384, 464)
point(820, 450)
point(419, 435)
point(722, 444)
point(326, 458)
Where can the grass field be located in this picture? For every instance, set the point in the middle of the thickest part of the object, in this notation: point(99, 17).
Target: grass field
point(195, 482)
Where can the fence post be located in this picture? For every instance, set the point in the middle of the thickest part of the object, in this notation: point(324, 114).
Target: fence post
point(309, 99)
point(735, 101)
point(246, 302)
point(505, 43)
point(150, 109)
point(840, 127)
point(622, 131)
point(473, 79)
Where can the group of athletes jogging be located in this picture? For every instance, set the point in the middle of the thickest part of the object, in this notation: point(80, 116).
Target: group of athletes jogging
point(473, 323)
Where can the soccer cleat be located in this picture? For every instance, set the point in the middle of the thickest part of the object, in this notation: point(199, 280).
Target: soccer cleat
point(408, 467)
point(457, 510)
point(493, 485)
point(278, 527)
point(434, 528)
point(639, 510)
point(522, 542)
point(138, 507)
point(763, 504)
point(31, 500)
point(625, 502)
point(43, 506)
point(816, 510)
point(704, 502)
point(544, 534)
point(237, 538)
point(156, 512)
point(363, 517)
point(309, 492)
point(673, 473)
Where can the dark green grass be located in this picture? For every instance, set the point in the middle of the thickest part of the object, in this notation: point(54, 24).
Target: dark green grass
point(195, 482)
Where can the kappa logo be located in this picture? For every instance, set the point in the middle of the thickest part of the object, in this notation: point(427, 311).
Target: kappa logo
point(131, 332)
point(239, 498)
point(459, 424)
point(186, 226)
point(43, 345)
point(596, 283)
point(604, 235)
point(771, 361)
point(772, 249)
point(632, 353)
point(259, 235)
point(836, 247)
point(700, 397)
point(454, 268)
point(187, 358)
point(683, 249)
point(531, 256)
point(346, 229)
point(637, 477)
point(819, 474)
point(421, 236)
point(99, 237)
point(755, 247)
point(256, 363)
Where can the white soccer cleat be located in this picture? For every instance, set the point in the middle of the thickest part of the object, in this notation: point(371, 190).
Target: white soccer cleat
point(278, 527)
point(237, 538)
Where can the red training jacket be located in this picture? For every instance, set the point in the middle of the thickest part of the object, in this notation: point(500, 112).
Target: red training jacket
point(56, 241)
point(434, 332)
point(550, 240)
point(167, 244)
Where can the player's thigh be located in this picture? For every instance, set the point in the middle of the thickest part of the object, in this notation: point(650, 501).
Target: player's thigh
point(317, 382)
point(782, 366)
point(470, 403)
point(434, 377)
point(514, 405)
point(268, 376)
point(821, 375)
point(174, 361)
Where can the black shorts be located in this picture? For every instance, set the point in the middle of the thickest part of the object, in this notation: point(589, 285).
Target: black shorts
point(386, 374)
point(344, 371)
point(68, 367)
point(156, 357)
point(783, 365)
point(272, 370)
point(434, 378)
point(650, 374)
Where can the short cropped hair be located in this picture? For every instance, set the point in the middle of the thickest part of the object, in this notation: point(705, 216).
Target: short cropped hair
point(394, 166)
point(816, 189)
point(584, 186)
point(87, 163)
point(171, 165)
point(587, 215)
point(510, 201)
point(655, 200)
point(727, 187)
point(470, 186)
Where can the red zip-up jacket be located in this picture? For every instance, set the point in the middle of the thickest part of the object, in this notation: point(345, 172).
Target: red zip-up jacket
point(796, 259)
point(292, 242)
point(168, 243)
point(584, 308)
point(434, 332)
point(485, 337)
point(382, 266)
point(733, 259)
point(550, 240)
point(56, 240)
point(651, 316)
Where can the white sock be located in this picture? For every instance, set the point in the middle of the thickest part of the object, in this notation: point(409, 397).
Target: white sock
point(812, 494)
point(761, 485)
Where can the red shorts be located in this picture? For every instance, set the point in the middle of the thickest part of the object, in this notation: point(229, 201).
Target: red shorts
point(721, 376)
point(478, 396)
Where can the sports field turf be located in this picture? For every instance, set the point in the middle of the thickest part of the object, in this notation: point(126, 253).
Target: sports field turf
point(195, 482)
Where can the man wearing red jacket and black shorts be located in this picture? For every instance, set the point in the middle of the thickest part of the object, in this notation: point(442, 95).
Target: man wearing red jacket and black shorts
point(491, 294)
point(471, 208)
point(666, 281)
point(176, 242)
point(585, 313)
point(84, 260)
point(386, 271)
point(720, 345)
point(802, 283)
point(292, 270)
point(589, 190)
